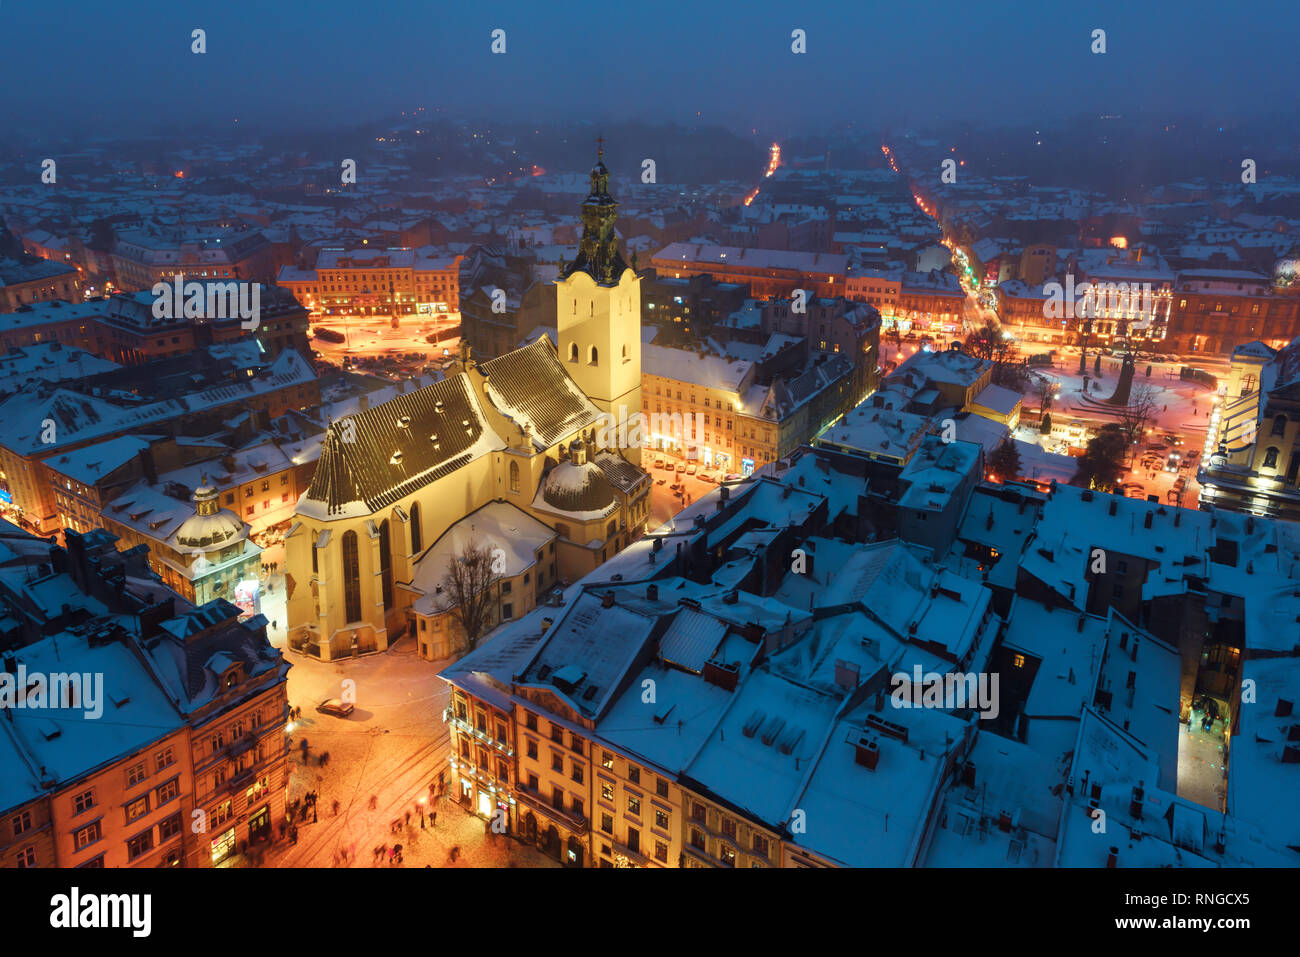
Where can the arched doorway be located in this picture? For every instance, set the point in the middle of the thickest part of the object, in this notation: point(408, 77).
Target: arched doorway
point(551, 844)
point(530, 828)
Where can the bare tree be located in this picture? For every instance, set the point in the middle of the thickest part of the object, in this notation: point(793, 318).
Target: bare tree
point(1044, 391)
point(467, 591)
point(1141, 409)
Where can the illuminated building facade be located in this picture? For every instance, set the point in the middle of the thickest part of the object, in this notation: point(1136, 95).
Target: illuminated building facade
point(1251, 459)
point(368, 282)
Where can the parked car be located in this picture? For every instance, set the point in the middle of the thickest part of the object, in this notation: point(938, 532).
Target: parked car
point(339, 709)
point(690, 470)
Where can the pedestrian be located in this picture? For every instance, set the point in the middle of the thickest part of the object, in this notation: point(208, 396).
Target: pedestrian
point(374, 801)
point(433, 819)
point(408, 818)
point(293, 835)
point(336, 807)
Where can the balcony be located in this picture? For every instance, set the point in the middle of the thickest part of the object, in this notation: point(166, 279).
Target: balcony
point(533, 799)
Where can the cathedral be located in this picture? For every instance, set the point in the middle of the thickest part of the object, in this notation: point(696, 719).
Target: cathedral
point(500, 455)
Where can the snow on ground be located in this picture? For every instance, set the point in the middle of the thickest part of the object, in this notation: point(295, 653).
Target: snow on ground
point(1183, 410)
point(393, 747)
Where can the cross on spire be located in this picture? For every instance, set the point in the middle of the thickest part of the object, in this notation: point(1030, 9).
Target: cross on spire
point(600, 146)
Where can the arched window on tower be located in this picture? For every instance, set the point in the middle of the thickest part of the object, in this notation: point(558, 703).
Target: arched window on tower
point(351, 578)
point(573, 352)
point(595, 356)
point(1279, 425)
point(626, 356)
point(417, 538)
point(514, 476)
point(1270, 457)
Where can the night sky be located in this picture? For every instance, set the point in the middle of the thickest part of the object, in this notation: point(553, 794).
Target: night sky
point(106, 68)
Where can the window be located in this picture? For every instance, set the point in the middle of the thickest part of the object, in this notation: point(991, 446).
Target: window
point(1270, 457)
point(595, 356)
point(729, 828)
point(661, 852)
point(634, 774)
point(634, 805)
point(169, 828)
point(661, 819)
point(21, 822)
point(577, 773)
point(1018, 661)
point(167, 792)
point(351, 577)
point(385, 565)
point(607, 790)
point(727, 854)
point(140, 844)
point(530, 721)
point(697, 812)
point(135, 774)
point(697, 839)
point(760, 845)
point(87, 835)
point(607, 823)
point(532, 750)
point(1279, 425)
point(137, 809)
point(164, 759)
point(417, 539)
point(83, 802)
point(557, 762)
point(573, 346)
point(607, 760)
point(514, 476)
point(661, 787)
point(27, 857)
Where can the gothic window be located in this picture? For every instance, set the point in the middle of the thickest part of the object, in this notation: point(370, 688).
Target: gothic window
point(416, 537)
point(514, 476)
point(386, 564)
point(573, 352)
point(1270, 457)
point(351, 577)
point(595, 356)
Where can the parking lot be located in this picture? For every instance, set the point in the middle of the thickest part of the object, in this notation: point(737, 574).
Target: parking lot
point(677, 483)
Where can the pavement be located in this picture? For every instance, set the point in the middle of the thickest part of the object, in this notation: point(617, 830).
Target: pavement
point(388, 752)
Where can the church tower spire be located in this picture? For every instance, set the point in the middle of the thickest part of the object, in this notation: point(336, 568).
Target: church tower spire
point(598, 253)
point(598, 311)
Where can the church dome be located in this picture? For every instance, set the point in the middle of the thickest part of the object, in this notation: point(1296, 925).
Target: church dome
point(571, 487)
point(209, 527)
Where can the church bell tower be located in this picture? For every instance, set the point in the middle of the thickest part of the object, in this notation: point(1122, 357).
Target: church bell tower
point(598, 312)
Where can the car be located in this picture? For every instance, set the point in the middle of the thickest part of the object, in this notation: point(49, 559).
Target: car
point(691, 470)
point(339, 709)
point(661, 481)
point(659, 463)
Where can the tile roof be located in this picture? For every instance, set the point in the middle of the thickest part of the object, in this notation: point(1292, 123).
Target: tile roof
point(400, 446)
